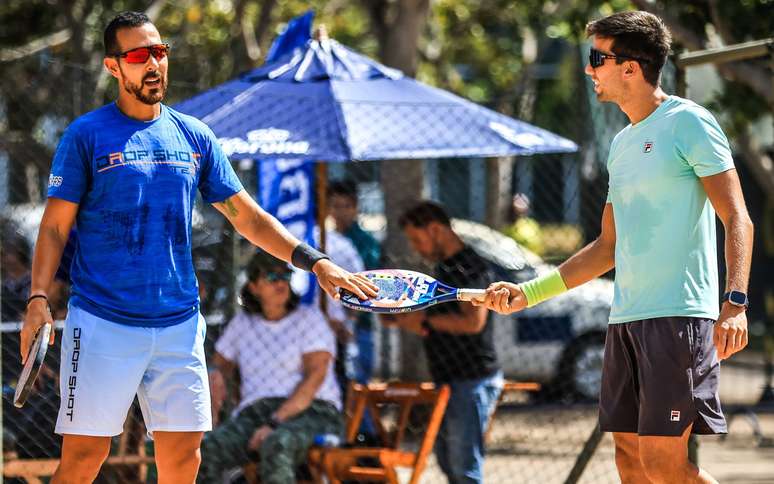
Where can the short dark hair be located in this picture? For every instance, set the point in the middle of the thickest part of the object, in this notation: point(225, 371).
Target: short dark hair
point(639, 35)
point(423, 213)
point(345, 188)
point(121, 21)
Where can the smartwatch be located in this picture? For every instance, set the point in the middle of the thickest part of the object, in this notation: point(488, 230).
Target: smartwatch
point(736, 298)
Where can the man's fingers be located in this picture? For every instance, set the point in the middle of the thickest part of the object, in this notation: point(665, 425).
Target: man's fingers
point(502, 297)
point(723, 341)
point(373, 289)
point(355, 289)
point(361, 286)
point(741, 339)
point(732, 333)
point(329, 288)
point(737, 340)
point(24, 345)
point(496, 286)
point(494, 298)
point(734, 340)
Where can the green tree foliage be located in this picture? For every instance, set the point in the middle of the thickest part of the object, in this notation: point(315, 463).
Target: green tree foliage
point(517, 57)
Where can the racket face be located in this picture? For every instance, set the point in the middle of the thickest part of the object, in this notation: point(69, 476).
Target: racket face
point(400, 291)
point(35, 359)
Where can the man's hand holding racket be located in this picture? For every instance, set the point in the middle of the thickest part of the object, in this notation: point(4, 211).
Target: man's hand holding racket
point(37, 314)
point(331, 277)
point(503, 297)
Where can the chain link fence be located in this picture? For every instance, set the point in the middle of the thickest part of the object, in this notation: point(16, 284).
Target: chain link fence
point(523, 215)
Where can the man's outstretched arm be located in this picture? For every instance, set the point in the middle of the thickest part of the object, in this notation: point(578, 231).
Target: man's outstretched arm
point(597, 258)
point(266, 232)
point(58, 219)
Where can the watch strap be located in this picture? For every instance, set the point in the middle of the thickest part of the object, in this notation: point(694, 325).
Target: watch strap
point(727, 297)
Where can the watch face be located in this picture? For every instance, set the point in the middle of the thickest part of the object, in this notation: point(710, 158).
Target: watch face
point(738, 298)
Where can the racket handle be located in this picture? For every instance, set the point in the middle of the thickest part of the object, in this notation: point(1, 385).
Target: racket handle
point(471, 294)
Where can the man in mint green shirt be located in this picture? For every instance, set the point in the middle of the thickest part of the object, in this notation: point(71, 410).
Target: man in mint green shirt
point(670, 172)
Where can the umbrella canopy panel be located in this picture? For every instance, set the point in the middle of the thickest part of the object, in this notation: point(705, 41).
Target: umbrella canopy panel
point(326, 102)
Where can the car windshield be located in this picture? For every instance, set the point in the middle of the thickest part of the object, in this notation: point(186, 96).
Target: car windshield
point(495, 246)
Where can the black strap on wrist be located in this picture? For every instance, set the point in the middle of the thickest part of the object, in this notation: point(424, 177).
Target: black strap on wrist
point(305, 256)
point(36, 296)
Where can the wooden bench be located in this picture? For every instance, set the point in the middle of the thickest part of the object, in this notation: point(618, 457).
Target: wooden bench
point(379, 464)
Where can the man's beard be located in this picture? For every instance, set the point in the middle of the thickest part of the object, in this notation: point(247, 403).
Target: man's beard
point(155, 94)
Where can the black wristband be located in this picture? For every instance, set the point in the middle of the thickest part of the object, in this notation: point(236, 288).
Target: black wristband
point(305, 256)
point(273, 423)
point(35, 296)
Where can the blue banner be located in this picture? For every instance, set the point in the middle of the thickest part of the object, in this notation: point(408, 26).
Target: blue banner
point(286, 190)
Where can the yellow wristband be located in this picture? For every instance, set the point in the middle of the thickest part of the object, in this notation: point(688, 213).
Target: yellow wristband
point(543, 287)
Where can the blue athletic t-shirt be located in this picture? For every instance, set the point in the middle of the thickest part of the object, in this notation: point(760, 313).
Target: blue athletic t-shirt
point(135, 183)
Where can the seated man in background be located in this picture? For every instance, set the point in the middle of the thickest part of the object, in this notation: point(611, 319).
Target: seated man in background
point(289, 394)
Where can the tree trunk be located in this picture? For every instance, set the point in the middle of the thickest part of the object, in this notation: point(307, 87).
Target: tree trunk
point(499, 178)
point(402, 180)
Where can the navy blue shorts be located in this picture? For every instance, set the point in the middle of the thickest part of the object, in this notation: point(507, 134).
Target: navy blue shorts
point(660, 376)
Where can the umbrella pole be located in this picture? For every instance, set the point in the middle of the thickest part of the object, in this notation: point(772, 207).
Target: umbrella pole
point(321, 185)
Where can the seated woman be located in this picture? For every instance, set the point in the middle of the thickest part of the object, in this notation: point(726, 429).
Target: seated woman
point(289, 394)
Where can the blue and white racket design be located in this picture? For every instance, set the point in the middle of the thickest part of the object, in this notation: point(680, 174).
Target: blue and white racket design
point(402, 291)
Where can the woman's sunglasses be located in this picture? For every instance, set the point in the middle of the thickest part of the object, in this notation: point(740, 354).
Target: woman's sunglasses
point(140, 55)
point(597, 58)
point(278, 276)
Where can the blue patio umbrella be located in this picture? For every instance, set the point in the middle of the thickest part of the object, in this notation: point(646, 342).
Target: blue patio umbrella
point(326, 102)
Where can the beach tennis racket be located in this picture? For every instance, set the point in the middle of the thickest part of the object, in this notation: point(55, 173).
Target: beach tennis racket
point(401, 291)
point(32, 366)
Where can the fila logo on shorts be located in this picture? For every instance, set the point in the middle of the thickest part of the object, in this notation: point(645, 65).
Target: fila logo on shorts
point(674, 416)
point(648, 147)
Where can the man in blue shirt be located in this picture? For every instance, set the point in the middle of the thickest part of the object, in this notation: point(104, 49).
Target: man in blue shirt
point(670, 172)
point(127, 175)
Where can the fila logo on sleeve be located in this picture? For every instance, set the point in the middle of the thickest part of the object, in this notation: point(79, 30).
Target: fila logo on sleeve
point(647, 147)
point(674, 416)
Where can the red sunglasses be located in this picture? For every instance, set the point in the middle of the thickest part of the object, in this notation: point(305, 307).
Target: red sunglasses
point(140, 55)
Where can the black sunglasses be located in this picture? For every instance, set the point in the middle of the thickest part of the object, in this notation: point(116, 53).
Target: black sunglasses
point(597, 57)
point(278, 276)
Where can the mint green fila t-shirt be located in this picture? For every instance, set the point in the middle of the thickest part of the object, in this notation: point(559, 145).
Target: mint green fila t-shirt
point(665, 252)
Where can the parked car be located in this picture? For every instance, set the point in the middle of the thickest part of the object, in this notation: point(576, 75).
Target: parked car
point(559, 343)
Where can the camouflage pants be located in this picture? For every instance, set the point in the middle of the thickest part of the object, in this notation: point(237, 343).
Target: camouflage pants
point(282, 451)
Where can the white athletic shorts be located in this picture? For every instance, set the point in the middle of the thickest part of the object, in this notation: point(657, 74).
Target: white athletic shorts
point(105, 364)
